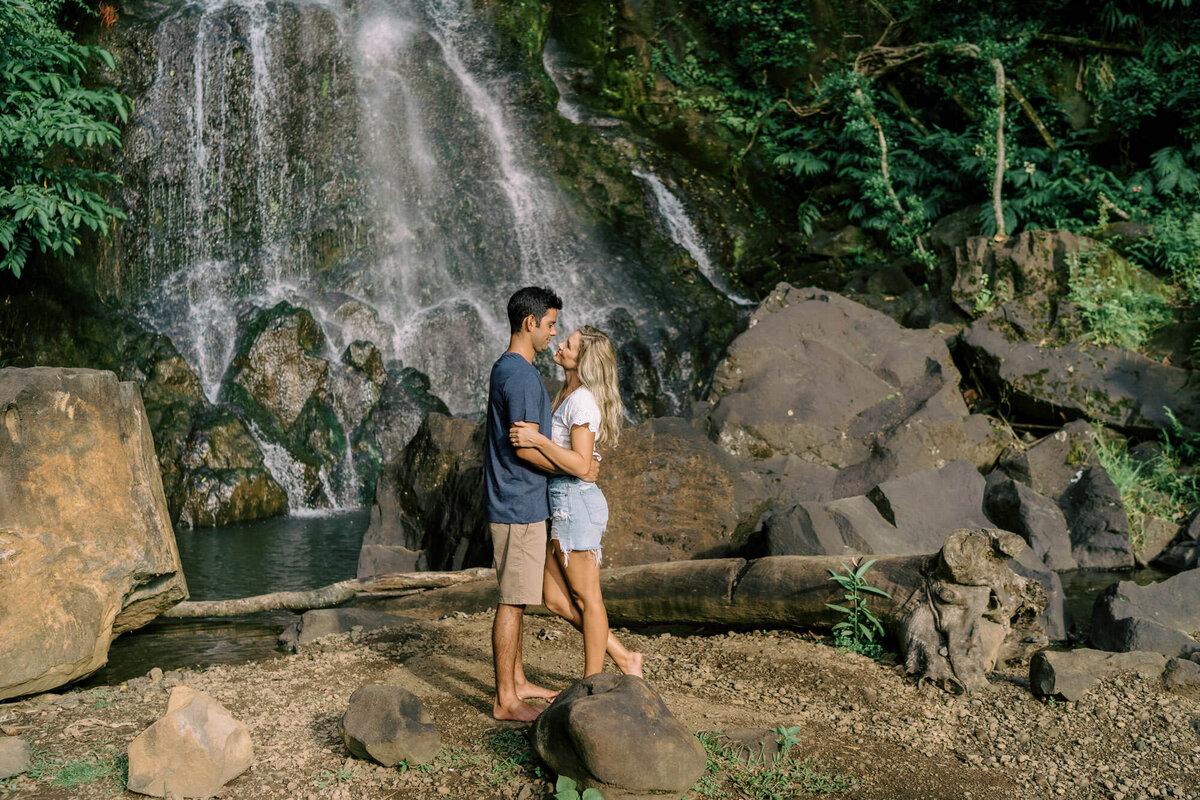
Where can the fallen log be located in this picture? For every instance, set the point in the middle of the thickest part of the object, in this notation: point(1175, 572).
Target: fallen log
point(955, 614)
point(328, 596)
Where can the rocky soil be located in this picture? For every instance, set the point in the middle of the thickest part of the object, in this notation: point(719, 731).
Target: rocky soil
point(861, 721)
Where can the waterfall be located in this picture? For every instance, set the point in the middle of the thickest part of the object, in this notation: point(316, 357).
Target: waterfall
point(371, 163)
point(684, 233)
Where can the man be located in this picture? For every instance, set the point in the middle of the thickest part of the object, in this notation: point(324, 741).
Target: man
point(515, 492)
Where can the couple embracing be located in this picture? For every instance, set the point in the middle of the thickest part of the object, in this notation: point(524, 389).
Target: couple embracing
point(539, 465)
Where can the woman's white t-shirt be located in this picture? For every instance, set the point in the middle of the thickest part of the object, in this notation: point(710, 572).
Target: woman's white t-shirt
point(579, 408)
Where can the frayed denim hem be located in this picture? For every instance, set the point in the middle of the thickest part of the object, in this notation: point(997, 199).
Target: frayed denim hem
point(566, 554)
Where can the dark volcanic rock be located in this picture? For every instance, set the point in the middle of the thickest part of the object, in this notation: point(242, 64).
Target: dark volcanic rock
point(905, 516)
point(1119, 388)
point(1015, 507)
point(1100, 532)
point(389, 724)
point(1162, 617)
point(614, 733)
point(833, 383)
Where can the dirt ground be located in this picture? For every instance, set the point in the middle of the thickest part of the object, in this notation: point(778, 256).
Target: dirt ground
point(865, 730)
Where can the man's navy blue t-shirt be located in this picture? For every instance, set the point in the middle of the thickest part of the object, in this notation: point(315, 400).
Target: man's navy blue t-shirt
point(514, 491)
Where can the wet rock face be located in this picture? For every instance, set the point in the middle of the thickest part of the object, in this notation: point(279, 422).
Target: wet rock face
point(831, 382)
point(83, 522)
point(278, 106)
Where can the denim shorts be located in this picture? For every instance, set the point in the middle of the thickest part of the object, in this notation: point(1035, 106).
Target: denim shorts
point(578, 515)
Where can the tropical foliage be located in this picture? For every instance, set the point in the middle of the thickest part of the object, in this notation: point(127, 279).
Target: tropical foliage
point(51, 123)
point(1065, 114)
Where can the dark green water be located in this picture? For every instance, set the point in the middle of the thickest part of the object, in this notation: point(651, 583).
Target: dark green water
point(291, 553)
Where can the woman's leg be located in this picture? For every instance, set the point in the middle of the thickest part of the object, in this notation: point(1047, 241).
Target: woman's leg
point(558, 597)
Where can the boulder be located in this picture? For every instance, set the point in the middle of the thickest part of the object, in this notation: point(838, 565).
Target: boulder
point(834, 383)
point(1029, 268)
point(911, 515)
point(281, 380)
point(389, 724)
point(192, 751)
point(1161, 617)
point(85, 536)
point(1070, 674)
point(1119, 388)
point(1184, 551)
point(429, 501)
point(1053, 464)
point(1182, 676)
point(319, 622)
point(1100, 531)
point(1056, 617)
point(225, 478)
point(614, 733)
point(15, 753)
point(1015, 507)
point(1151, 536)
point(672, 494)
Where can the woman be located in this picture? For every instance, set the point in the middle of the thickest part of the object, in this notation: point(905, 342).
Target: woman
point(587, 413)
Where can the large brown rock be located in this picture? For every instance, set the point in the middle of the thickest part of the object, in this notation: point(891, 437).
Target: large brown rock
point(195, 749)
point(672, 494)
point(86, 546)
point(833, 383)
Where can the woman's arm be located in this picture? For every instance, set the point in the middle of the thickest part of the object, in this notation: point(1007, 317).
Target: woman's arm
point(577, 461)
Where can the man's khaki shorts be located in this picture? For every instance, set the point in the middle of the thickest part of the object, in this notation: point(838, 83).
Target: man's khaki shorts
point(519, 556)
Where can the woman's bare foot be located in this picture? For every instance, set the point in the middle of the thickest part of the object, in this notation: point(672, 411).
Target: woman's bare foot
point(632, 665)
point(518, 711)
point(531, 691)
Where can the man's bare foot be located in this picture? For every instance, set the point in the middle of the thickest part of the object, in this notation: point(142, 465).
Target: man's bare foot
point(632, 665)
point(531, 691)
point(518, 711)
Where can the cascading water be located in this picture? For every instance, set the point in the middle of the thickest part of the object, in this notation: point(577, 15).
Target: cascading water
point(683, 232)
point(365, 162)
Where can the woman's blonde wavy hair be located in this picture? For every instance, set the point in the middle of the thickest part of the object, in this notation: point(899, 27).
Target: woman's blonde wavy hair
point(598, 372)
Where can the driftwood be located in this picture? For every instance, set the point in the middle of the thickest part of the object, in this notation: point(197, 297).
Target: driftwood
point(329, 596)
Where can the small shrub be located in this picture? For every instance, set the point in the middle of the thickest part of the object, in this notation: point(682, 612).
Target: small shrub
point(858, 630)
point(1119, 305)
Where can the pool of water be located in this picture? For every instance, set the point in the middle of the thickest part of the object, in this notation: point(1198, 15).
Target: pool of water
point(285, 554)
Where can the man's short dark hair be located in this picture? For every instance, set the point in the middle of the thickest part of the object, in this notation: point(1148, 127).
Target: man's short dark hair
point(532, 300)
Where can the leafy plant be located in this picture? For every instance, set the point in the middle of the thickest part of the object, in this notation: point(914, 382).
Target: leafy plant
point(858, 631)
point(1163, 485)
point(50, 125)
point(786, 737)
point(1118, 306)
point(566, 789)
